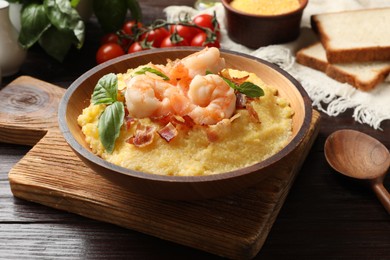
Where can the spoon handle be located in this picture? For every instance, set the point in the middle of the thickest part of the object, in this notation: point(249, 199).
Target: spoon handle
point(382, 194)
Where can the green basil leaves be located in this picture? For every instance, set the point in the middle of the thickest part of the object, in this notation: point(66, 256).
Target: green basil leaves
point(111, 120)
point(34, 23)
point(52, 23)
point(151, 70)
point(106, 90)
point(250, 89)
point(247, 88)
point(110, 123)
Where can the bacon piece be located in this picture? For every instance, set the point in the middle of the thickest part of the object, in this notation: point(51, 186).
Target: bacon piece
point(237, 115)
point(239, 81)
point(212, 135)
point(180, 122)
point(240, 100)
point(252, 113)
point(143, 136)
point(129, 121)
point(168, 132)
point(163, 120)
point(214, 132)
point(187, 123)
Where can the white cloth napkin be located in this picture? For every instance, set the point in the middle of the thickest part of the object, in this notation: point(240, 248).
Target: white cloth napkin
point(328, 95)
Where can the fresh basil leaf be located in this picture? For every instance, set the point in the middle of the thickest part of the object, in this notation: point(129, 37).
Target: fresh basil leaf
point(109, 125)
point(230, 83)
point(247, 88)
point(106, 90)
point(111, 14)
point(250, 89)
point(79, 33)
point(65, 18)
point(34, 23)
point(151, 70)
point(74, 3)
point(56, 43)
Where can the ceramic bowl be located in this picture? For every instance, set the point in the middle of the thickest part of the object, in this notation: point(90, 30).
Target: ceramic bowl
point(176, 187)
point(255, 31)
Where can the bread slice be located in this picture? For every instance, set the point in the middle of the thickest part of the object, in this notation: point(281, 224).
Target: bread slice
point(364, 76)
point(354, 36)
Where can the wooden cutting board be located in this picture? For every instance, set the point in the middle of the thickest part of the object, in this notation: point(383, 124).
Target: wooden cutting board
point(234, 226)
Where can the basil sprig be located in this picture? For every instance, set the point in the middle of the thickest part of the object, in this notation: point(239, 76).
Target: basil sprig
point(106, 90)
point(111, 120)
point(247, 88)
point(54, 24)
point(151, 70)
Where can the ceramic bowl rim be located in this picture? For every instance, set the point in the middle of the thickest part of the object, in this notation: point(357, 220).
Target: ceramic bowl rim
point(303, 4)
point(87, 154)
point(4, 4)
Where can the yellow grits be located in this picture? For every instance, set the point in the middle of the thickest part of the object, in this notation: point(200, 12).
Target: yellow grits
point(265, 7)
point(240, 143)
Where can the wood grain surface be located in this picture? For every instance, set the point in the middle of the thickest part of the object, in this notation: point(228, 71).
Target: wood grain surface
point(325, 215)
point(28, 108)
point(234, 226)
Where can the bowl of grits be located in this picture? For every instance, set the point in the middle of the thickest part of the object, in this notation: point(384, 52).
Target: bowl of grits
point(185, 123)
point(257, 23)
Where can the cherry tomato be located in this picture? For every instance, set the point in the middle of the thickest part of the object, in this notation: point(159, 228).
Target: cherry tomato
point(135, 47)
point(156, 35)
point(204, 20)
point(167, 42)
point(130, 27)
point(109, 37)
point(200, 40)
point(207, 21)
point(114, 38)
point(108, 51)
point(124, 41)
point(187, 32)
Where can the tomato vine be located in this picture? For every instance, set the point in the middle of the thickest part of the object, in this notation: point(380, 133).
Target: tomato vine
point(202, 30)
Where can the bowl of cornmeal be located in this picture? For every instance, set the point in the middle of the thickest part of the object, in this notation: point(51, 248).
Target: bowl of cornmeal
point(258, 23)
point(185, 123)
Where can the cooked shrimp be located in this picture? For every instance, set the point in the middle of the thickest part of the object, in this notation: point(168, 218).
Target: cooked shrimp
point(180, 104)
point(179, 76)
point(208, 59)
point(181, 72)
point(214, 100)
point(146, 97)
point(207, 99)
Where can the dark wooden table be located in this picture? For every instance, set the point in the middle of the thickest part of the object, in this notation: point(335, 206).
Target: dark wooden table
point(325, 216)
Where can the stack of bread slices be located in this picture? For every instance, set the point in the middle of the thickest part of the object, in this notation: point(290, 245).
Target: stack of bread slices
point(353, 47)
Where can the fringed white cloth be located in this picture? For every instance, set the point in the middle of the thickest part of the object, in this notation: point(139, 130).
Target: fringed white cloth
point(328, 95)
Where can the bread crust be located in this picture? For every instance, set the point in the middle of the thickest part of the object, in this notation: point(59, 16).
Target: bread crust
point(311, 62)
point(358, 55)
point(354, 54)
point(345, 77)
point(337, 73)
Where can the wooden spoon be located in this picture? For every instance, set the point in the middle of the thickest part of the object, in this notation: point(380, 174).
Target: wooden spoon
point(360, 156)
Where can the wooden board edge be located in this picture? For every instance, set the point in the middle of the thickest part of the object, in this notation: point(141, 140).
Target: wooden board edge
point(249, 250)
point(312, 135)
point(28, 108)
